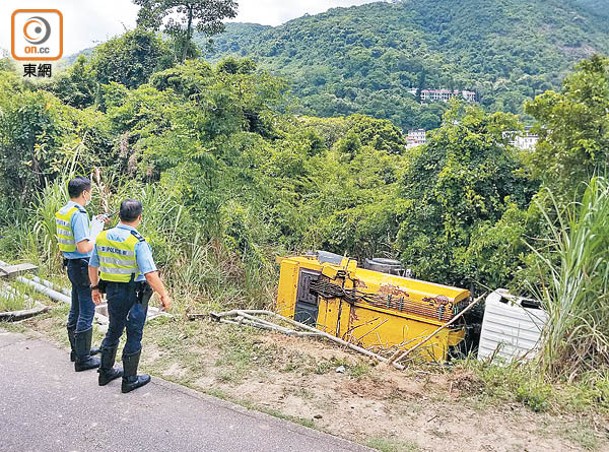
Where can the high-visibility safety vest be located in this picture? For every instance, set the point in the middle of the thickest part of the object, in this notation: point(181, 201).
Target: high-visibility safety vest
point(117, 259)
point(65, 235)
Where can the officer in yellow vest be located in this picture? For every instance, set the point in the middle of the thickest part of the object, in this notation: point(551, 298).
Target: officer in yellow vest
point(128, 276)
point(73, 231)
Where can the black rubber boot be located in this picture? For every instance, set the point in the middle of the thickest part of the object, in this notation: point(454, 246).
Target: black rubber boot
point(72, 343)
point(94, 350)
point(82, 343)
point(131, 380)
point(106, 370)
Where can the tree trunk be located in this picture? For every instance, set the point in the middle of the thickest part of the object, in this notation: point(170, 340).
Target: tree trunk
point(186, 44)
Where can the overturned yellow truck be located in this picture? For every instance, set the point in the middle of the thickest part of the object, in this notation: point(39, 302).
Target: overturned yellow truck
point(374, 307)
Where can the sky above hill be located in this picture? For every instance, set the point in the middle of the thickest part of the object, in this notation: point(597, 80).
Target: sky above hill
point(89, 22)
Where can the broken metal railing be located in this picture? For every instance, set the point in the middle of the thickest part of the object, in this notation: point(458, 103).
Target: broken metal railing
point(36, 307)
point(60, 294)
point(45, 287)
point(253, 318)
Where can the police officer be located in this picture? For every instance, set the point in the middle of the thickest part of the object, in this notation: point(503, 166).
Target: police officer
point(128, 276)
point(73, 231)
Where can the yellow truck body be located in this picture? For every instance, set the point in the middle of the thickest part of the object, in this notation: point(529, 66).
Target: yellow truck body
point(375, 310)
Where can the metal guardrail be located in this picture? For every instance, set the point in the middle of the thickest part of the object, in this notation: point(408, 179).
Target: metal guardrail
point(63, 295)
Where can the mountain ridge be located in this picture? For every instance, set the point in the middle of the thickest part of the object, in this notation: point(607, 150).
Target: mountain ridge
point(363, 59)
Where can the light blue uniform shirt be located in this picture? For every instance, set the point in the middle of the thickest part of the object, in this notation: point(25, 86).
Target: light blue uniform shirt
point(81, 229)
point(143, 252)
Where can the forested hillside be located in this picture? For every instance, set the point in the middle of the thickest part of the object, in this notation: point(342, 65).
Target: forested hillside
point(598, 7)
point(363, 59)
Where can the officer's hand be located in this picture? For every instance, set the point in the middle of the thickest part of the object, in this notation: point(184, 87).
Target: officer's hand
point(97, 296)
point(166, 302)
point(104, 218)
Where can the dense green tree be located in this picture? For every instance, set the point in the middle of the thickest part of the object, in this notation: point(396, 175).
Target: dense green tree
point(77, 86)
point(183, 17)
point(189, 79)
point(41, 138)
point(353, 203)
point(6, 64)
point(238, 98)
point(131, 59)
point(574, 128)
point(232, 65)
point(381, 134)
point(464, 178)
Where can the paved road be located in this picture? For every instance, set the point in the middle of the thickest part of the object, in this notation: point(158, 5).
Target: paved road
point(46, 406)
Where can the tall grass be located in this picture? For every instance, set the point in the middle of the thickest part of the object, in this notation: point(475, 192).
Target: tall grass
point(12, 299)
point(574, 288)
point(17, 241)
point(46, 204)
point(200, 266)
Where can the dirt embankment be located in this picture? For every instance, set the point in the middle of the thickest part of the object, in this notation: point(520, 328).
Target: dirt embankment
point(412, 410)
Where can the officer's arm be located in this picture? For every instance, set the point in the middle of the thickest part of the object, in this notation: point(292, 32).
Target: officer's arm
point(158, 286)
point(156, 283)
point(85, 246)
point(80, 228)
point(93, 275)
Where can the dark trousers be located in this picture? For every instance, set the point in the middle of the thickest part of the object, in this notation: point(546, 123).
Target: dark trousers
point(126, 310)
point(82, 310)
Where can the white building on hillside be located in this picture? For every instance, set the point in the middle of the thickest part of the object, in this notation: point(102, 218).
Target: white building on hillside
point(416, 138)
point(443, 95)
point(525, 141)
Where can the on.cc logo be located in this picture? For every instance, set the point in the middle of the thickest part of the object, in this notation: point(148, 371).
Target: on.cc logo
point(37, 35)
point(37, 30)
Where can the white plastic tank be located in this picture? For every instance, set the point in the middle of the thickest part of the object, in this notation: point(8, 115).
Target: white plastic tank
point(511, 328)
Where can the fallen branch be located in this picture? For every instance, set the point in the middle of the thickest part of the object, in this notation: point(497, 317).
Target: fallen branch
point(261, 324)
